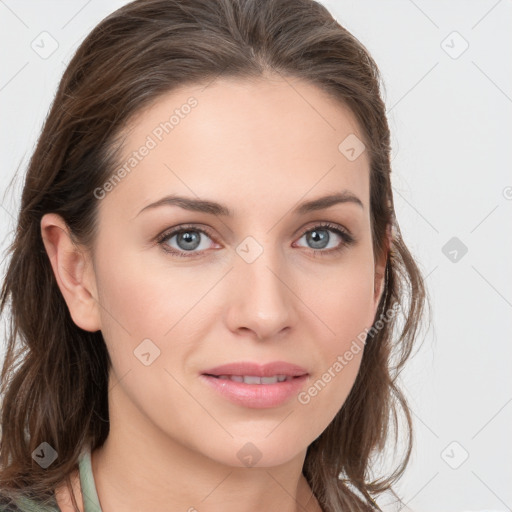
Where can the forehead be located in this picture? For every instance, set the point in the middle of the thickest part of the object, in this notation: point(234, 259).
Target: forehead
point(275, 138)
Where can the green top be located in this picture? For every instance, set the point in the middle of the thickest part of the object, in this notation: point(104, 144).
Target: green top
point(89, 494)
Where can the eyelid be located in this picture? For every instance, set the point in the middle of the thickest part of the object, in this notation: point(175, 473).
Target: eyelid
point(344, 233)
point(326, 224)
point(169, 233)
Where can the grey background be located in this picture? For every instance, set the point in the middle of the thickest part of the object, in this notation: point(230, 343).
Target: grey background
point(450, 116)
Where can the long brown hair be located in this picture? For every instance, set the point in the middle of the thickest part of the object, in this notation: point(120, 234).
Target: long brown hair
point(55, 375)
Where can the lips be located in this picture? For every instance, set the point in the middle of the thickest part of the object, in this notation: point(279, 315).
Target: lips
point(256, 386)
point(254, 373)
point(254, 379)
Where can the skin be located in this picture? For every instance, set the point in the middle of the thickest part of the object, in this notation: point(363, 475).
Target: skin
point(260, 147)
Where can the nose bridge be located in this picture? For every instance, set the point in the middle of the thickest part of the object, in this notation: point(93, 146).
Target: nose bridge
point(263, 300)
point(259, 261)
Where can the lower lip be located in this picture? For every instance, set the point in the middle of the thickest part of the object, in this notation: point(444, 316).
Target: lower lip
point(256, 396)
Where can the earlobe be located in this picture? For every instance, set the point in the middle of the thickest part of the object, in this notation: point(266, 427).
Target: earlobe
point(73, 272)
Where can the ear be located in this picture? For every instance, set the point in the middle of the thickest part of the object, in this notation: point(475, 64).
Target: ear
point(380, 269)
point(73, 270)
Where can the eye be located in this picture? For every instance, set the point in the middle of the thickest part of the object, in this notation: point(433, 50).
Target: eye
point(319, 238)
point(188, 239)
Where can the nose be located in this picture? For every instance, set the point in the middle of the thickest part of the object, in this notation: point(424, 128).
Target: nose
point(261, 298)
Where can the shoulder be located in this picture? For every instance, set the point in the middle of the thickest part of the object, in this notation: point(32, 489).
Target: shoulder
point(61, 500)
point(7, 504)
point(25, 504)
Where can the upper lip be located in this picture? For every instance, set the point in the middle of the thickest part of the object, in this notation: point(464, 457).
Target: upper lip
point(258, 370)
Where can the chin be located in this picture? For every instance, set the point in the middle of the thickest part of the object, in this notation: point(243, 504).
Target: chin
point(247, 453)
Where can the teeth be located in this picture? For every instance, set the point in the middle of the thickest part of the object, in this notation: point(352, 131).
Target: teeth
point(253, 379)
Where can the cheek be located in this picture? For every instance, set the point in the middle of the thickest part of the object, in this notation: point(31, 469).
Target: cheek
point(144, 295)
point(151, 321)
point(342, 297)
point(344, 304)
point(143, 298)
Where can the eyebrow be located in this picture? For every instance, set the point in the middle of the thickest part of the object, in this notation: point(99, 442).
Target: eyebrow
point(214, 208)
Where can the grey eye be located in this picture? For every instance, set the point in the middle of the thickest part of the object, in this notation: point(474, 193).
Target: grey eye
point(188, 240)
point(318, 237)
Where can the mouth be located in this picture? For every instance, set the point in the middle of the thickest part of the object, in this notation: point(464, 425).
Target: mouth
point(255, 393)
point(256, 386)
point(255, 379)
point(257, 373)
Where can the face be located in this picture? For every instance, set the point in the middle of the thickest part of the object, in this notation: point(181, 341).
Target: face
point(182, 290)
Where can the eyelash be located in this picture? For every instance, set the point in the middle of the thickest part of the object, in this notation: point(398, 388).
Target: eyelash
point(345, 236)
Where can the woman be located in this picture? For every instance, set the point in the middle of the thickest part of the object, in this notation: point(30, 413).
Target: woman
point(208, 281)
